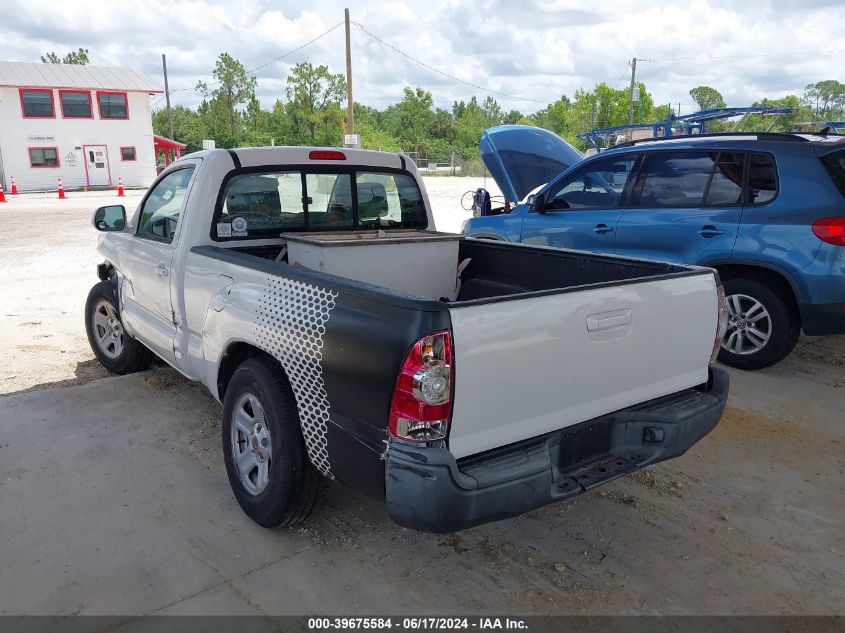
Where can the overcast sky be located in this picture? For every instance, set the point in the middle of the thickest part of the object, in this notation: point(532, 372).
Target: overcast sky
point(534, 50)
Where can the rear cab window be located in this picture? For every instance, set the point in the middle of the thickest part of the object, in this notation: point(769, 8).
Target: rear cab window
point(264, 204)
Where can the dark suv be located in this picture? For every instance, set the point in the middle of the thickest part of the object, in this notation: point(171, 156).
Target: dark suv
point(766, 210)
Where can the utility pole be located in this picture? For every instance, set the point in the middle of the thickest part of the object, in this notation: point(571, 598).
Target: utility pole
point(167, 95)
point(350, 114)
point(633, 83)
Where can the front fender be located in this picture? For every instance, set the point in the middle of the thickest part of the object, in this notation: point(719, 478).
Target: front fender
point(502, 227)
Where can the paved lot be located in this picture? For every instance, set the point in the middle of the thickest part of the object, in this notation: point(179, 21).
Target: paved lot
point(113, 498)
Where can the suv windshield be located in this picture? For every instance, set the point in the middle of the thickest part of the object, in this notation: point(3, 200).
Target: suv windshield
point(261, 204)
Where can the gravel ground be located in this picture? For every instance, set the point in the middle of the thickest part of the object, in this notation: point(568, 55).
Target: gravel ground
point(750, 521)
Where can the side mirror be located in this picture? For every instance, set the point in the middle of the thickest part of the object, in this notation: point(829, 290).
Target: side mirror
point(110, 218)
point(538, 204)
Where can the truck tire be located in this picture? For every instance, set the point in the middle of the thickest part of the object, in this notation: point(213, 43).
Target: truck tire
point(763, 326)
point(116, 350)
point(269, 470)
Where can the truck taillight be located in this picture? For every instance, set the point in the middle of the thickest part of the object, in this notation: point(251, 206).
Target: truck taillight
point(421, 406)
point(830, 230)
point(722, 326)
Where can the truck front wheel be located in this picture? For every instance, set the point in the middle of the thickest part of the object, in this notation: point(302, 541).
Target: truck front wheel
point(271, 476)
point(114, 348)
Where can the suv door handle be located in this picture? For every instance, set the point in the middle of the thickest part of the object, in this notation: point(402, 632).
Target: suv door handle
point(161, 270)
point(710, 231)
point(602, 228)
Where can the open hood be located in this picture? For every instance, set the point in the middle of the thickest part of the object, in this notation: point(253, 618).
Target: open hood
point(521, 157)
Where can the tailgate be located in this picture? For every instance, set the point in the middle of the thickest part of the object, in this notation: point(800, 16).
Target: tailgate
point(525, 367)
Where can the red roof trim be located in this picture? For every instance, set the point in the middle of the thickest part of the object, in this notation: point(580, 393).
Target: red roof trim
point(166, 143)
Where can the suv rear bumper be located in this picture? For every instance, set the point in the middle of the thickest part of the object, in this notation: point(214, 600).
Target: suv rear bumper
point(426, 489)
point(823, 319)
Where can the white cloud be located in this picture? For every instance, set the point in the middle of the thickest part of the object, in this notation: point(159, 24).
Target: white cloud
point(535, 49)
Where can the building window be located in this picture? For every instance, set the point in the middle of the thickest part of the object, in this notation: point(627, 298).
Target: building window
point(127, 153)
point(37, 104)
point(113, 105)
point(75, 105)
point(43, 157)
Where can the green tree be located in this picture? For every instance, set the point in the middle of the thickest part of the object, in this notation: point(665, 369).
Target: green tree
point(514, 117)
point(777, 123)
point(415, 119)
point(373, 138)
point(706, 98)
point(314, 95)
point(79, 57)
point(234, 89)
point(188, 127)
point(826, 99)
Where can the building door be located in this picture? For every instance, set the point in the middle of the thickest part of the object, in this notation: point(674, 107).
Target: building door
point(97, 165)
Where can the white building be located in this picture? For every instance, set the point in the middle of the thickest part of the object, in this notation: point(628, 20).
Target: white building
point(87, 125)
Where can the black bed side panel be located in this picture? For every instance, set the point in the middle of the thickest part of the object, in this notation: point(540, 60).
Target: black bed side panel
point(364, 346)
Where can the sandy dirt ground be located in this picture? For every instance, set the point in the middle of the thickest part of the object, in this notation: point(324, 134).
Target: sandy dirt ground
point(113, 498)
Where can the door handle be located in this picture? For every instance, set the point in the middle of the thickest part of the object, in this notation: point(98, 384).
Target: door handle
point(161, 270)
point(601, 229)
point(710, 231)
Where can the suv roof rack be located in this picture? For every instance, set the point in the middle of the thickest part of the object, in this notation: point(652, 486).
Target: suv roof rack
point(761, 136)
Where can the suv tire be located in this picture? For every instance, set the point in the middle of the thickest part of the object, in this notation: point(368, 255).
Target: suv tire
point(763, 326)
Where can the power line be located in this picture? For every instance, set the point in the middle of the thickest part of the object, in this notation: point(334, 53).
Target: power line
point(272, 61)
point(298, 48)
point(708, 58)
point(440, 72)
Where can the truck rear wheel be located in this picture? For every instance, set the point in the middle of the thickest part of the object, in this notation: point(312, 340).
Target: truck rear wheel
point(271, 476)
point(763, 328)
point(114, 348)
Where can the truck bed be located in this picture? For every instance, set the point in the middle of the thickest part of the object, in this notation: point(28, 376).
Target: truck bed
point(543, 338)
point(499, 270)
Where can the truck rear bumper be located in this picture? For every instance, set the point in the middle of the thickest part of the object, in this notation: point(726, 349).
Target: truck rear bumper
point(427, 490)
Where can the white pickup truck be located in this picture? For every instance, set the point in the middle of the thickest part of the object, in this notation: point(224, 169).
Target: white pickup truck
point(460, 380)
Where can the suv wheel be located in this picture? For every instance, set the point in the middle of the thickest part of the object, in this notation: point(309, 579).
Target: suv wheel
point(763, 327)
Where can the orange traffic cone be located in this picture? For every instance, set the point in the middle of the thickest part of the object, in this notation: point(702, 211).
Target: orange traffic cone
point(14, 187)
point(2, 195)
point(120, 187)
point(61, 190)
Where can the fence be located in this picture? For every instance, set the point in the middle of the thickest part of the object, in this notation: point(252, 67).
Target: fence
point(452, 165)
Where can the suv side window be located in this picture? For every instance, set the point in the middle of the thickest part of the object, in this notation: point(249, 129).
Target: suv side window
point(835, 165)
point(725, 188)
point(762, 179)
point(598, 185)
point(676, 179)
point(161, 209)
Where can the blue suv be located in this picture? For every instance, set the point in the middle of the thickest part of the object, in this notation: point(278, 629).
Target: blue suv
point(766, 210)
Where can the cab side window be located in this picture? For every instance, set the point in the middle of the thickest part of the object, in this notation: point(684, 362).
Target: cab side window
point(599, 185)
point(161, 209)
